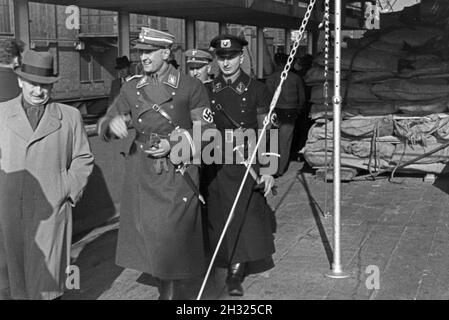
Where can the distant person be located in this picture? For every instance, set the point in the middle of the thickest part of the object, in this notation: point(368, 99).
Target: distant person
point(199, 64)
point(123, 67)
point(303, 122)
point(10, 56)
point(303, 64)
point(290, 105)
point(45, 163)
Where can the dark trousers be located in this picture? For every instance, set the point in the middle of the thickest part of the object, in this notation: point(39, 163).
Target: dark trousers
point(286, 119)
point(302, 126)
point(4, 281)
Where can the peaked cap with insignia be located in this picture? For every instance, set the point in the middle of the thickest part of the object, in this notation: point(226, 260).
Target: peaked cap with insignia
point(152, 39)
point(197, 58)
point(228, 46)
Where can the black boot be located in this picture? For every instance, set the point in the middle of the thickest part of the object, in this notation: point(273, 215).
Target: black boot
point(168, 290)
point(236, 274)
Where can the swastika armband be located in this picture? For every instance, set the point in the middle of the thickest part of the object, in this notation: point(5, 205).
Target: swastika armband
point(208, 115)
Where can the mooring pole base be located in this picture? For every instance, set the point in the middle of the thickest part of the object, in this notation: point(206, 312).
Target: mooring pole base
point(338, 274)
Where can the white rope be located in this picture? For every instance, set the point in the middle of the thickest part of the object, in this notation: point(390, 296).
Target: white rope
point(326, 97)
point(284, 75)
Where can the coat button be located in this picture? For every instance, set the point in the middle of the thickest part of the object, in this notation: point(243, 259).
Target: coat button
point(243, 99)
point(140, 120)
point(138, 93)
point(243, 111)
point(137, 106)
point(242, 123)
point(171, 107)
point(173, 93)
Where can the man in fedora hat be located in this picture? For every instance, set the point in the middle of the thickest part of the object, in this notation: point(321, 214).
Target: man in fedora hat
point(45, 162)
point(160, 223)
point(122, 65)
point(199, 64)
point(239, 102)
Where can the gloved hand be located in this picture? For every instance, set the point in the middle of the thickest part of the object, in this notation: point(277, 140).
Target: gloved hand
point(118, 126)
point(161, 151)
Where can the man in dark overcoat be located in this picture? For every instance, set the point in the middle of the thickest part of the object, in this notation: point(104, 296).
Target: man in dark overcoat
point(160, 222)
point(238, 102)
point(10, 56)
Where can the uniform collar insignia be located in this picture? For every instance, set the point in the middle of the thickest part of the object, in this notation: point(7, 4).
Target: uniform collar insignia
point(217, 86)
point(142, 82)
point(172, 77)
point(240, 87)
point(241, 83)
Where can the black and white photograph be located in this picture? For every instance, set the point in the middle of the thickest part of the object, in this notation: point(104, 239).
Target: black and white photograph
point(236, 152)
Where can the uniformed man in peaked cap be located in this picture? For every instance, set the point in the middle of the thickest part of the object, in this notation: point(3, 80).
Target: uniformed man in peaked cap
point(199, 64)
point(238, 102)
point(160, 224)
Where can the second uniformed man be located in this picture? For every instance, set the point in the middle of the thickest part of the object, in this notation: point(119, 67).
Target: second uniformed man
point(199, 64)
point(238, 102)
point(160, 223)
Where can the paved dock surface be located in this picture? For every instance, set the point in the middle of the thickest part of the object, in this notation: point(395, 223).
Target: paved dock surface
point(399, 231)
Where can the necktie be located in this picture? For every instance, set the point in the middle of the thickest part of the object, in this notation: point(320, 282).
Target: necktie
point(34, 114)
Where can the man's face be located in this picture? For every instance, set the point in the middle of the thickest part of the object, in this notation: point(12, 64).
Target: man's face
point(153, 60)
point(201, 73)
point(230, 66)
point(35, 93)
point(122, 73)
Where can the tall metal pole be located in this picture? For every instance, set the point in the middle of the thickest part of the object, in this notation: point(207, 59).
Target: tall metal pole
point(337, 271)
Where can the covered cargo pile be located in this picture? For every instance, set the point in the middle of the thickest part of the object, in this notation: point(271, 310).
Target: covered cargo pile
point(395, 90)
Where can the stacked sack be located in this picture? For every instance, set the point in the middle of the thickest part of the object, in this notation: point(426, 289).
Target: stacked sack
point(395, 90)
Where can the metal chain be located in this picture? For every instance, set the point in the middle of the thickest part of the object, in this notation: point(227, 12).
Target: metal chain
point(291, 57)
point(326, 95)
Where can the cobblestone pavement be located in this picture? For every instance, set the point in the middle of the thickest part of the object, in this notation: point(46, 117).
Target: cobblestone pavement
point(400, 229)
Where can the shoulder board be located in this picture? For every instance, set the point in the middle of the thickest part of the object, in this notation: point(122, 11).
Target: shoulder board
point(136, 76)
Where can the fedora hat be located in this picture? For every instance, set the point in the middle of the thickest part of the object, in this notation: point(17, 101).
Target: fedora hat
point(37, 67)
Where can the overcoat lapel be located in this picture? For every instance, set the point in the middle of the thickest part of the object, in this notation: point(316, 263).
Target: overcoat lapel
point(17, 120)
point(50, 122)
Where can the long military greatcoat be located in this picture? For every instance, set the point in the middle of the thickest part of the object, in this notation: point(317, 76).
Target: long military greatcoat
point(42, 175)
point(160, 223)
point(250, 236)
